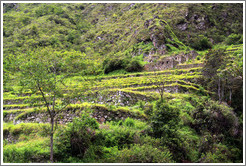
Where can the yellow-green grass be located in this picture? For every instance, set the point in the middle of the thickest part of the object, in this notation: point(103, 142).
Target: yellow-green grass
point(19, 106)
point(76, 107)
point(25, 128)
point(134, 81)
point(71, 80)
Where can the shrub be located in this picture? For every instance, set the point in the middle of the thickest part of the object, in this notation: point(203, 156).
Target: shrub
point(165, 122)
point(216, 118)
point(141, 154)
point(234, 39)
point(129, 122)
point(164, 119)
point(77, 137)
point(46, 9)
point(198, 58)
point(201, 43)
point(218, 154)
point(134, 66)
point(110, 65)
point(148, 110)
point(119, 136)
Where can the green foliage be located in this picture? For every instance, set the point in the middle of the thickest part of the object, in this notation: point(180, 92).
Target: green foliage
point(219, 154)
point(25, 152)
point(54, 41)
point(76, 138)
point(46, 9)
point(118, 136)
point(129, 122)
point(141, 154)
point(201, 43)
point(165, 119)
point(214, 115)
point(226, 79)
point(234, 39)
point(148, 110)
point(165, 124)
point(185, 110)
point(190, 143)
point(134, 66)
point(113, 64)
point(129, 65)
point(212, 59)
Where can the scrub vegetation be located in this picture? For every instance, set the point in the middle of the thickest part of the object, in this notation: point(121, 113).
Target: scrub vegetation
point(123, 83)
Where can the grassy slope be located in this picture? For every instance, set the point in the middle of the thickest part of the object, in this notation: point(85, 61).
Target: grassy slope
point(109, 30)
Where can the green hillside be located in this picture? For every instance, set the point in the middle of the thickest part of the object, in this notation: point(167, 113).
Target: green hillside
point(123, 83)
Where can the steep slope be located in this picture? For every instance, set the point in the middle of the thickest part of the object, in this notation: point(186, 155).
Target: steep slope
point(163, 80)
point(111, 30)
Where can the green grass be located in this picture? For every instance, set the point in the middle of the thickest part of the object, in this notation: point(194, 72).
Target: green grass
point(19, 106)
point(28, 129)
point(134, 81)
point(36, 150)
point(17, 111)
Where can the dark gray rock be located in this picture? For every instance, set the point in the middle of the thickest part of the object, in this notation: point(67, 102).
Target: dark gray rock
point(182, 26)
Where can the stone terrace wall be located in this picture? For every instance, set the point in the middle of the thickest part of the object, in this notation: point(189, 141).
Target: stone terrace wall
point(100, 113)
point(189, 66)
point(117, 97)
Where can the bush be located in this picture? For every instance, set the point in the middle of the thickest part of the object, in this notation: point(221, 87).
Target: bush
point(141, 154)
point(110, 65)
point(218, 154)
point(134, 66)
point(46, 9)
point(216, 118)
point(148, 110)
point(77, 137)
point(201, 43)
point(118, 136)
point(164, 119)
point(234, 39)
point(165, 122)
point(129, 122)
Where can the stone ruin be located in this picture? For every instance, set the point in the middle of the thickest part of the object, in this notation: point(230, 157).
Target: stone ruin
point(169, 62)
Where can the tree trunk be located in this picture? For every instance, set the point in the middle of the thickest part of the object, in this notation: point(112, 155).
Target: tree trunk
point(51, 138)
point(161, 96)
point(222, 91)
point(219, 90)
point(230, 97)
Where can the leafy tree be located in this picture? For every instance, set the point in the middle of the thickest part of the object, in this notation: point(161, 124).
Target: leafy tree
point(165, 124)
point(164, 119)
point(232, 74)
point(40, 71)
point(213, 60)
point(223, 74)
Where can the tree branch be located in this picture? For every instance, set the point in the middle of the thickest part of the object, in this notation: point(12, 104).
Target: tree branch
point(46, 103)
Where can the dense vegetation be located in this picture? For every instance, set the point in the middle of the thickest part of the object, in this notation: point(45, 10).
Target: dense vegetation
point(77, 89)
